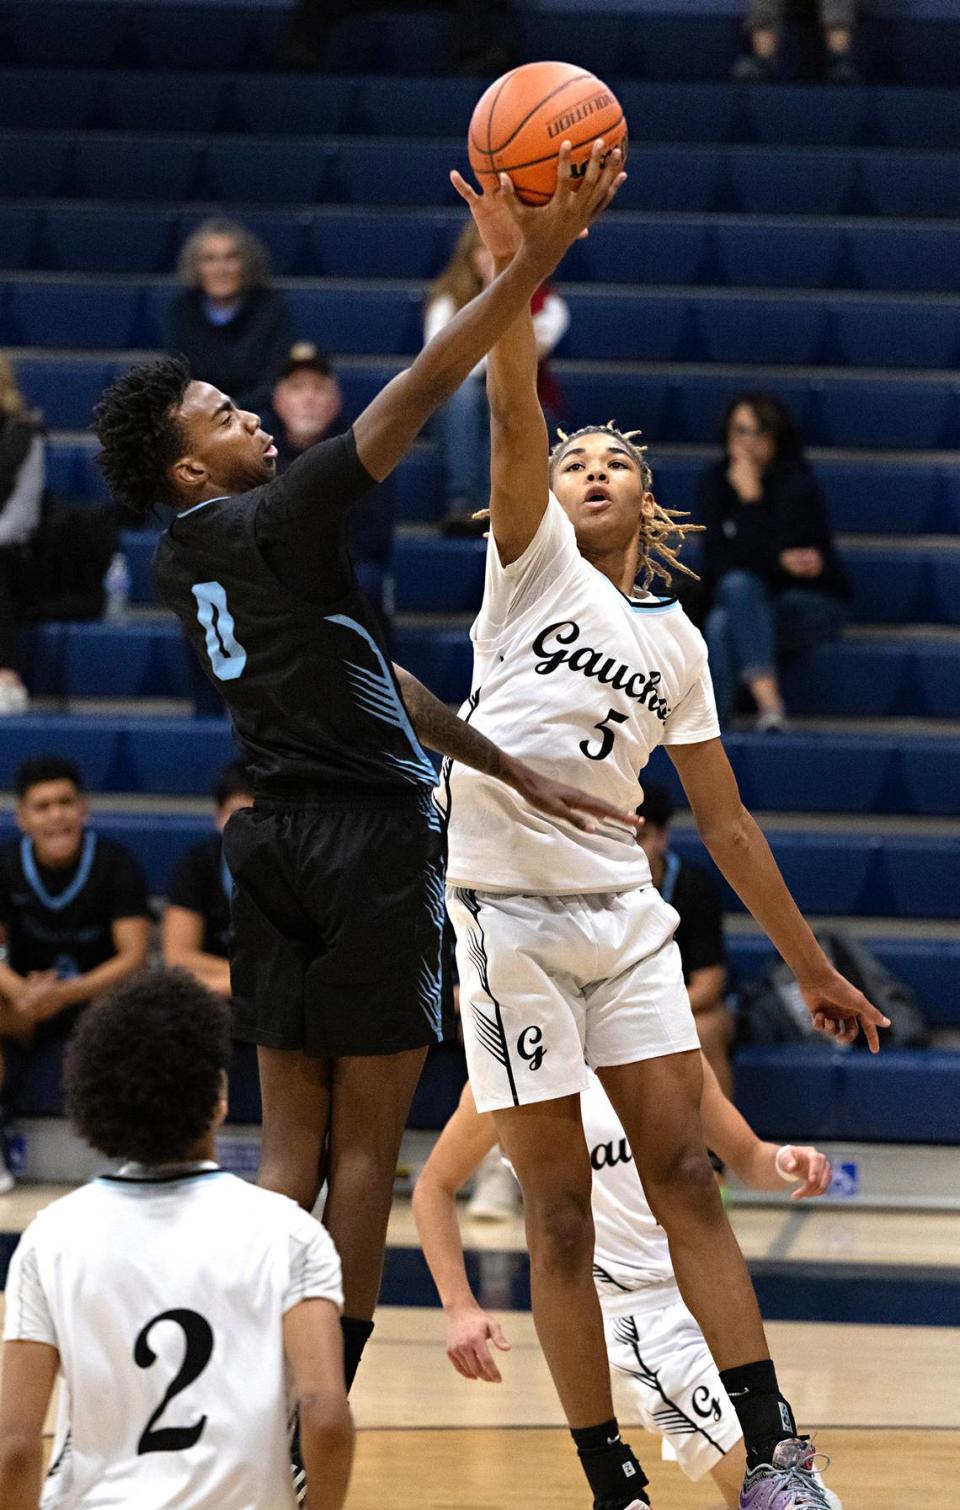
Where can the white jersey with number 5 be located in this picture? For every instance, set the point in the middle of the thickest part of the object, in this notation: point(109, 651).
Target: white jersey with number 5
point(164, 1298)
point(582, 683)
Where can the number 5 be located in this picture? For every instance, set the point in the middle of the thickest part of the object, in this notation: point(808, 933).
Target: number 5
point(606, 744)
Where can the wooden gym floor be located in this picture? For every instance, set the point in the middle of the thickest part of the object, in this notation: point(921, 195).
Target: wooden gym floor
point(882, 1401)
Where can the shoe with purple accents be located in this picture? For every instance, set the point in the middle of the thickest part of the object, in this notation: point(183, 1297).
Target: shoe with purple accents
point(790, 1481)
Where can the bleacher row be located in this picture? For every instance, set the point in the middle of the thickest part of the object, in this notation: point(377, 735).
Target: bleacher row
point(678, 402)
point(390, 171)
point(789, 238)
point(246, 37)
point(796, 329)
point(317, 241)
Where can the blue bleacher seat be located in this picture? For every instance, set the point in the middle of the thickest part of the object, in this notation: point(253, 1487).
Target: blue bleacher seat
point(72, 472)
point(90, 240)
point(124, 754)
point(124, 167)
point(64, 392)
point(875, 334)
point(805, 115)
point(18, 230)
point(128, 101)
point(32, 167)
point(65, 314)
point(173, 36)
point(55, 36)
point(45, 98)
point(432, 574)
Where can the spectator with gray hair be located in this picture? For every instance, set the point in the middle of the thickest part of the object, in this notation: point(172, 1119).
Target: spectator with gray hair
point(765, 23)
point(233, 328)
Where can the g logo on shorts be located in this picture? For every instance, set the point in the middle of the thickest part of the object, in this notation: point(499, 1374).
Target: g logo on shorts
point(529, 1047)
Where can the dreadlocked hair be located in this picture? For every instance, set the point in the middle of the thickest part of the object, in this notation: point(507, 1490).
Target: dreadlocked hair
point(141, 438)
point(661, 533)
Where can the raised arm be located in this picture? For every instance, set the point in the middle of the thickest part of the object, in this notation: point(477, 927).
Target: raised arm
point(761, 1165)
point(458, 1152)
point(387, 428)
point(519, 448)
point(743, 856)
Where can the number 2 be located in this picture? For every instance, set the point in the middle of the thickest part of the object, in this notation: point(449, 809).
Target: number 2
point(227, 655)
point(198, 1348)
point(606, 743)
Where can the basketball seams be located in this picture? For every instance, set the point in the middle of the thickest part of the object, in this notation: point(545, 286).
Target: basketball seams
point(558, 89)
point(549, 156)
point(488, 150)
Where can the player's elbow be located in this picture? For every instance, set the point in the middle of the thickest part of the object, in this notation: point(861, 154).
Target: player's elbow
point(21, 1454)
point(728, 833)
point(326, 1425)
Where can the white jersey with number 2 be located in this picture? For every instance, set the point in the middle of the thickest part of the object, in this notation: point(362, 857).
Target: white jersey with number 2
point(165, 1299)
point(582, 683)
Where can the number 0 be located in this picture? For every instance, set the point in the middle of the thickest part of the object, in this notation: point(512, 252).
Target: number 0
point(227, 655)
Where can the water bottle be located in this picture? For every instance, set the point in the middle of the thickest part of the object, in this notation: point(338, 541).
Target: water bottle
point(116, 586)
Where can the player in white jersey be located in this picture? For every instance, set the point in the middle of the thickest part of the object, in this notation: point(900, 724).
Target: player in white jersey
point(662, 1373)
point(186, 1311)
point(564, 947)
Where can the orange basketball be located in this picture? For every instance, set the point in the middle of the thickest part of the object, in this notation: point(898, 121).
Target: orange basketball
point(522, 120)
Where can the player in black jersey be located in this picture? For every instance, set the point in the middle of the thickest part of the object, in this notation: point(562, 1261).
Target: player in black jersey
point(337, 905)
point(74, 919)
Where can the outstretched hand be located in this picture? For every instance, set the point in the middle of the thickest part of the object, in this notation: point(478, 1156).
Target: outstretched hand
point(470, 1333)
point(840, 1010)
point(809, 1167)
point(505, 222)
point(567, 802)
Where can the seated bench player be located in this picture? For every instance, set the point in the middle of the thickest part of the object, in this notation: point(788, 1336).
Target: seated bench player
point(73, 914)
point(196, 924)
point(179, 1303)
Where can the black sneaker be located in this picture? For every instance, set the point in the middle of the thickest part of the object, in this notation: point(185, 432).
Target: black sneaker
point(841, 69)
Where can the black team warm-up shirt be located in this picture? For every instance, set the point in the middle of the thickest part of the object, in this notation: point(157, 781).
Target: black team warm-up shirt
point(263, 586)
point(63, 919)
point(201, 883)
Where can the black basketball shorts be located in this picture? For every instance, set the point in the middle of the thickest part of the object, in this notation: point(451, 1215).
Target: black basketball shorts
point(336, 924)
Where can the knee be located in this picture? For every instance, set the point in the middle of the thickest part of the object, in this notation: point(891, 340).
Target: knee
point(739, 587)
point(684, 1190)
point(560, 1232)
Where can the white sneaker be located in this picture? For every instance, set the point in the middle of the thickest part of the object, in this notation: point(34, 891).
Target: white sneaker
point(496, 1194)
point(14, 699)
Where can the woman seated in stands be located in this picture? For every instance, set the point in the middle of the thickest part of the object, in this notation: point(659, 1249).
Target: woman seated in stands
point(776, 586)
point(463, 424)
point(22, 482)
point(234, 330)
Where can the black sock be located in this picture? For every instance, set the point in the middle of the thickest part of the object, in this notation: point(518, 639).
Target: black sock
point(613, 1472)
point(356, 1335)
point(764, 1414)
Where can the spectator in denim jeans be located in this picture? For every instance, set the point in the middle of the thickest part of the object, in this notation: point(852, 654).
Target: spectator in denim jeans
point(765, 22)
point(776, 586)
point(463, 423)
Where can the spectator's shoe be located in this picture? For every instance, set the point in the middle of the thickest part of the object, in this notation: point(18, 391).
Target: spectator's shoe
point(496, 1194)
point(843, 70)
point(789, 1482)
point(7, 1181)
point(14, 698)
point(771, 723)
point(753, 70)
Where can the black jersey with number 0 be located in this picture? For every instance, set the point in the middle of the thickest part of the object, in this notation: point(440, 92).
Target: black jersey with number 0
point(263, 587)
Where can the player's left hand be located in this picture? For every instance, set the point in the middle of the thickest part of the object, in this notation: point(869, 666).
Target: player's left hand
point(840, 1010)
point(808, 1165)
point(568, 802)
point(498, 229)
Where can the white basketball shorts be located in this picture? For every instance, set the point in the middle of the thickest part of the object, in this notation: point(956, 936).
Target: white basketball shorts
point(665, 1379)
point(549, 984)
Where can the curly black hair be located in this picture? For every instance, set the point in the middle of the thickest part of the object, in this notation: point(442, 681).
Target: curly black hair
point(40, 768)
point(143, 1069)
point(140, 435)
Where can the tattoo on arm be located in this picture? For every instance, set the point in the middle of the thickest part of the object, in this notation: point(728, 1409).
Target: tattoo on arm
point(443, 731)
